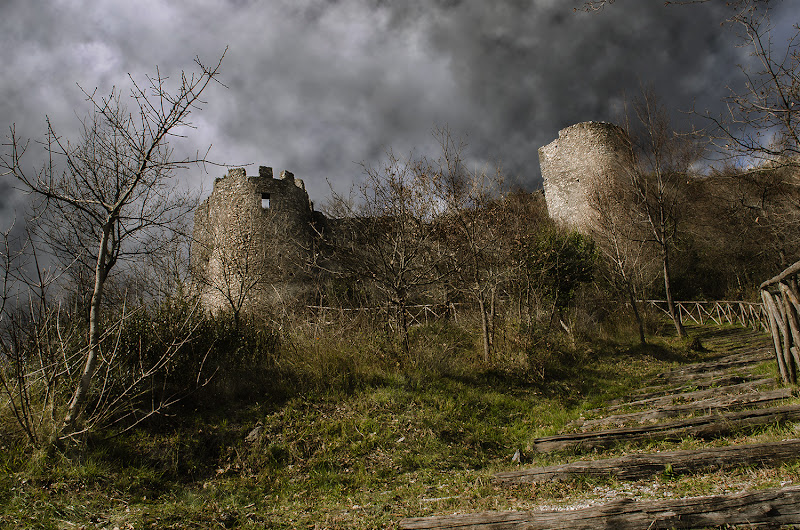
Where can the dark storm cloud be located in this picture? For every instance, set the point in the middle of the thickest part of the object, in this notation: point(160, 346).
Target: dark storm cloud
point(318, 86)
point(527, 69)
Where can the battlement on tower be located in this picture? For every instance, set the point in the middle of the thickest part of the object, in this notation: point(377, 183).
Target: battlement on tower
point(257, 223)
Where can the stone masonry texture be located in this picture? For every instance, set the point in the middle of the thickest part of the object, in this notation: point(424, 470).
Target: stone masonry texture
point(582, 155)
point(249, 236)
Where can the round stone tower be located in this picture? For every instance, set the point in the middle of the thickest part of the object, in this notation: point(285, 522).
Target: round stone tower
point(582, 156)
point(248, 238)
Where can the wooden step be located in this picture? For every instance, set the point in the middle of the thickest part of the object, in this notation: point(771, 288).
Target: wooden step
point(639, 466)
point(772, 506)
point(752, 357)
point(696, 382)
point(712, 373)
point(712, 404)
point(691, 392)
point(709, 426)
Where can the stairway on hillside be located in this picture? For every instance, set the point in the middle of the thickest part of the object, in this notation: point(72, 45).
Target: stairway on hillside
point(723, 398)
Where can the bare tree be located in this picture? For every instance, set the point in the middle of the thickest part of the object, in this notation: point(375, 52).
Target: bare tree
point(523, 215)
point(662, 161)
point(619, 239)
point(384, 232)
point(28, 378)
point(472, 227)
point(113, 189)
point(762, 123)
point(758, 212)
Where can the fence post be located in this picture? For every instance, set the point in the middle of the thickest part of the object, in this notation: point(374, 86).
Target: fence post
point(782, 306)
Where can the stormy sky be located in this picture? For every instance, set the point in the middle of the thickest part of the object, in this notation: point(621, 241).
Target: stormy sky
point(318, 86)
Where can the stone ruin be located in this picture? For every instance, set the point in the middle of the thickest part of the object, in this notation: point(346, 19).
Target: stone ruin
point(583, 156)
point(249, 236)
point(251, 233)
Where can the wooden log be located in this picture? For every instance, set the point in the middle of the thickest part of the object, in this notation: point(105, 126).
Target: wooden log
point(686, 392)
point(695, 378)
point(746, 344)
point(791, 310)
point(715, 404)
point(792, 269)
point(710, 369)
point(772, 506)
point(662, 399)
point(715, 379)
point(639, 466)
point(709, 426)
point(793, 298)
point(713, 368)
point(774, 315)
point(784, 324)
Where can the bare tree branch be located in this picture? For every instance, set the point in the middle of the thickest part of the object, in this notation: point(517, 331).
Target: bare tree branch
point(102, 194)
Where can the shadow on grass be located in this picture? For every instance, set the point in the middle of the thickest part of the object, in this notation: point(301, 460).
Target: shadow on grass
point(663, 353)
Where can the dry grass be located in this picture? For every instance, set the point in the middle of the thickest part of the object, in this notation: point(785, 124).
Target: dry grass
point(379, 439)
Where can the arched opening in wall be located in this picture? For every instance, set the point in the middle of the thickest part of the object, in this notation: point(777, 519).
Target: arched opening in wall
point(265, 201)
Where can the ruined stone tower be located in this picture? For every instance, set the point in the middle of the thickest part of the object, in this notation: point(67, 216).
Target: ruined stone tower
point(583, 156)
point(250, 235)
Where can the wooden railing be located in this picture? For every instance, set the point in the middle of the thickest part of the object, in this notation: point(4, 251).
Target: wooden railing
point(747, 314)
point(416, 314)
point(782, 303)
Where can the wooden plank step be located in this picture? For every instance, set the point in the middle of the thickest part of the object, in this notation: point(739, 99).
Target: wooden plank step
point(752, 357)
point(639, 466)
point(772, 506)
point(738, 344)
point(709, 426)
point(729, 384)
point(703, 375)
point(712, 404)
point(695, 378)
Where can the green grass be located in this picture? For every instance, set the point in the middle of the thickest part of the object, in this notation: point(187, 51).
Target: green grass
point(369, 441)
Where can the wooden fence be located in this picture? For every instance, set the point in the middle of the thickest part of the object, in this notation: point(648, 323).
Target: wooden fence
point(747, 314)
point(416, 315)
point(782, 303)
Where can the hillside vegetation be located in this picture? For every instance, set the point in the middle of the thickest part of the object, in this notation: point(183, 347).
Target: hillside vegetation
point(318, 432)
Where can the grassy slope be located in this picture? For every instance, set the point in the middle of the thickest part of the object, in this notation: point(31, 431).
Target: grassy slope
point(407, 444)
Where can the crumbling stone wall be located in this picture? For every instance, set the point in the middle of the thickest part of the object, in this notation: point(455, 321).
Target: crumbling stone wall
point(582, 156)
point(250, 236)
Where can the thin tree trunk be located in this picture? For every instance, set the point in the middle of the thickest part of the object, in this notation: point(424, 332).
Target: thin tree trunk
point(484, 328)
point(403, 326)
point(676, 318)
point(100, 274)
point(637, 315)
point(492, 315)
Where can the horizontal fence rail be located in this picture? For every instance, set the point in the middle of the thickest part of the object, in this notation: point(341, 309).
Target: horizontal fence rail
point(416, 315)
point(748, 314)
point(735, 312)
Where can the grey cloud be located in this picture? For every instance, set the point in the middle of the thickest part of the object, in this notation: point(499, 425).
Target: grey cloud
point(531, 70)
point(317, 86)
